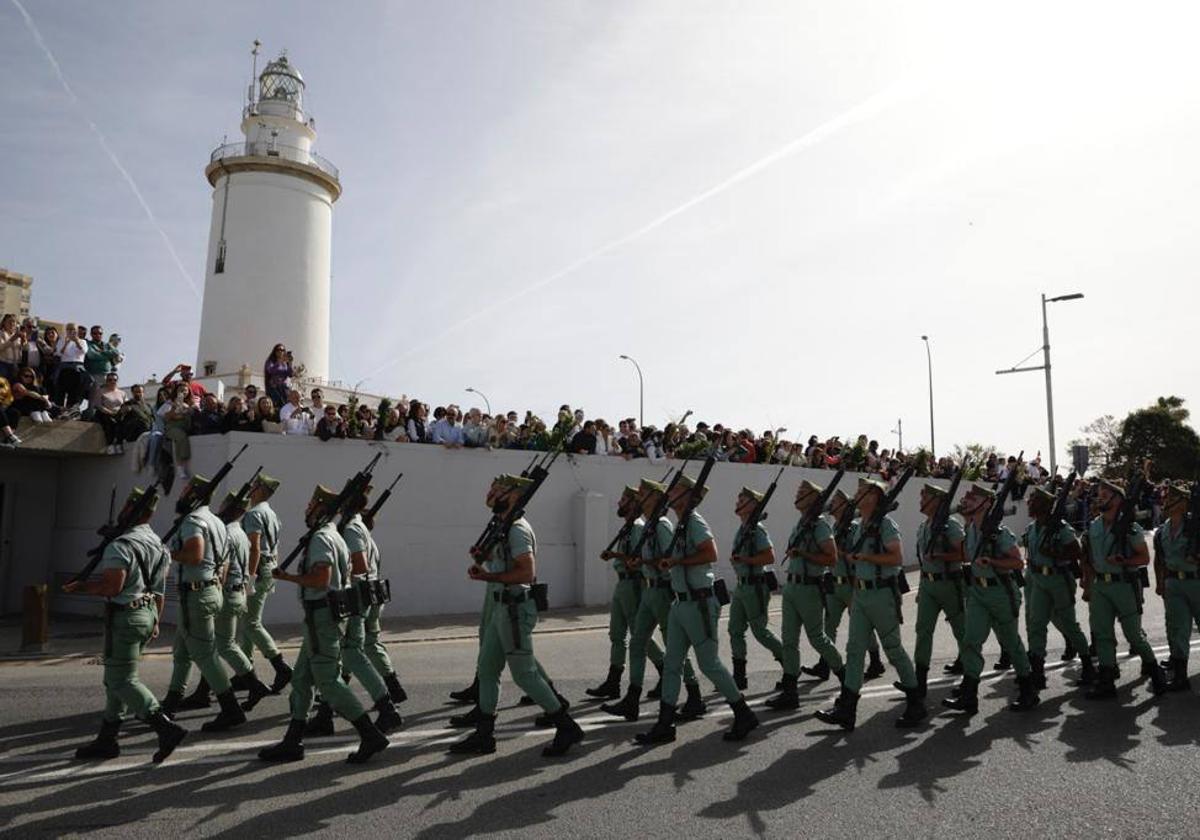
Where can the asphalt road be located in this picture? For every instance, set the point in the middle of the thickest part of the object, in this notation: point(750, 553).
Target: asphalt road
point(1068, 769)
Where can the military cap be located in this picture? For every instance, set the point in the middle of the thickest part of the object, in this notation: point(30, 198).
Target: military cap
point(928, 489)
point(266, 482)
point(751, 494)
point(865, 484)
point(687, 483)
point(1041, 494)
point(839, 495)
point(647, 485)
point(512, 482)
point(135, 494)
point(809, 487)
point(1115, 486)
point(628, 492)
point(323, 496)
point(198, 483)
point(981, 491)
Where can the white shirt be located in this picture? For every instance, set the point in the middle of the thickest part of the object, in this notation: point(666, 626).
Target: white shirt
point(73, 350)
point(286, 412)
point(299, 423)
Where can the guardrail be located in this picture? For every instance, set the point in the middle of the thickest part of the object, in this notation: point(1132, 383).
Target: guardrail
point(265, 149)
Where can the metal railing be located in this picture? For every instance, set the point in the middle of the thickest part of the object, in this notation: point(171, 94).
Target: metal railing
point(265, 149)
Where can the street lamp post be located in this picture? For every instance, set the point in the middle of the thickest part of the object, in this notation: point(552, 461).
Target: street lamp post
point(929, 360)
point(482, 395)
point(1045, 366)
point(641, 391)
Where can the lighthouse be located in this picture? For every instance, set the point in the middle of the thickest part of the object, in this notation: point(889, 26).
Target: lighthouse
point(267, 275)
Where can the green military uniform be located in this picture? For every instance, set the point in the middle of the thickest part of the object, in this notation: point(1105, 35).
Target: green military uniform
point(1182, 594)
point(940, 591)
point(364, 664)
point(1115, 595)
point(130, 618)
point(626, 597)
point(751, 598)
point(233, 603)
point(841, 595)
point(993, 603)
point(804, 599)
point(1050, 590)
point(199, 603)
point(261, 520)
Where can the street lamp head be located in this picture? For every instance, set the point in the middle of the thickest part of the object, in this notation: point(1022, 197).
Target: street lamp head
point(470, 390)
point(622, 356)
point(925, 338)
point(1075, 296)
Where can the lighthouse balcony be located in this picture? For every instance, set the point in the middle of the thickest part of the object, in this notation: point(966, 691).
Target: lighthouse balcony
point(273, 157)
point(266, 149)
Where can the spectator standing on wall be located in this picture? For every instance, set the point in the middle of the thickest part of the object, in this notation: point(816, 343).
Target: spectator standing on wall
point(277, 371)
point(101, 357)
point(71, 382)
point(48, 359)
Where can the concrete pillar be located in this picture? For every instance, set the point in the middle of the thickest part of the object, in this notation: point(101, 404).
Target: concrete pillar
point(589, 524)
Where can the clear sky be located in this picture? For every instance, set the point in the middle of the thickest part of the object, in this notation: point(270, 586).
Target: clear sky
point(766, 204)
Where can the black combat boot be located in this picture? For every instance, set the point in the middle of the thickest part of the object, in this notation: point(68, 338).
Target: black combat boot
point(629, 707)
point(967, 698)
point(788, 697)
point(169, 733)
point(744, 721)
point(231, 715)
point(1004, 662)
point(566, 733)
point(201, 698)
point(291, 748)
point(320, 725)
point(875, 667)
point(922, 688)
point(479, 742)
point(170, 703)
point(395, 690)
point(955, 667)
point(283, 673)
point(468, 721)
point(1158, 679)
point(470, 694)
point(1027, 694)
point(238, 682)
point(370, 739)
point(820, 671)
point(663, 731)
point(739, 674)
point(1179, 676)
point(258, 691)
point(844, 712)
point(105, 746)
point(694, 707)
point(1087, 670)
point(1069, 652)
point(546, 719)
point(1104, 687)
point(389, 719)
point(610, 689)
point(914, 707)
point(1037, 668)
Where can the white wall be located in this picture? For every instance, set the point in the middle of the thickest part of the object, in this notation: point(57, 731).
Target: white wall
point(437, 511)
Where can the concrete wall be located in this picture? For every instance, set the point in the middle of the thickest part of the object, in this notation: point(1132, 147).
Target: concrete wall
point(436, 512)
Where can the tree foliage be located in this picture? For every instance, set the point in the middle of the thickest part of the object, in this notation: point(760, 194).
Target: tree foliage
point(1159, 434)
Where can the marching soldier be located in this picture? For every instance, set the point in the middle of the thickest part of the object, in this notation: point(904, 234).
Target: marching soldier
point(1051, 556)
point(840, 594)
point(626, 597)
point(876, 608)
point(811, 551)
point(199, 548)
point(693, 621)
point(324, 569)
point(1112, 588)
point(654, 610)
point(233, 602)
point(940, 591)
point(993, 604)
point(752, 594)
point(133, 574)
point(261, 525)
point(509, 573)
point(1178, 581)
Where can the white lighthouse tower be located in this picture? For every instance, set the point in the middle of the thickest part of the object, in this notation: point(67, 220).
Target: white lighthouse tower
point(267, 278)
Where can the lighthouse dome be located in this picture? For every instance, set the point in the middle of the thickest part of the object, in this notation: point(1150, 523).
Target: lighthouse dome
point(281, 88)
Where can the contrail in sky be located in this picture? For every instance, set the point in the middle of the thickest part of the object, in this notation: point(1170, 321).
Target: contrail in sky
point(112, 156)
point(878, 103)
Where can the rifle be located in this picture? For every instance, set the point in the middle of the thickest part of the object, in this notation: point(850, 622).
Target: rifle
point(495, 520)
point(242, 497)
point(353, 487)
point(629, 520)
point(660, 510)
point(757, 515)
point(369, 516)
point(499, 525)
point(205, 497)
point(115, 530)
point(990, 527)
point(885, 507)
point(941, 517)
point(1058, 518)
point(815, 510)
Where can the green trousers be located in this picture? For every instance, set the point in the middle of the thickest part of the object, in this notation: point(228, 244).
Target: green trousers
point(804, 605)
point(837, 603)
point(196, 640)
point(253, 634)
point(319, 668)
point(372, 646)
point(686, 628)
point(934, 598)
point(988, 609)
point(621, 612)
point(1111, 603)
point(1182, 611)
point(502, 646)
point(126, 633)
point(748, 610)
point(654, 610)
point(233, 612)
point(355, 660)
point(874, 612)
point(1050, 599)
